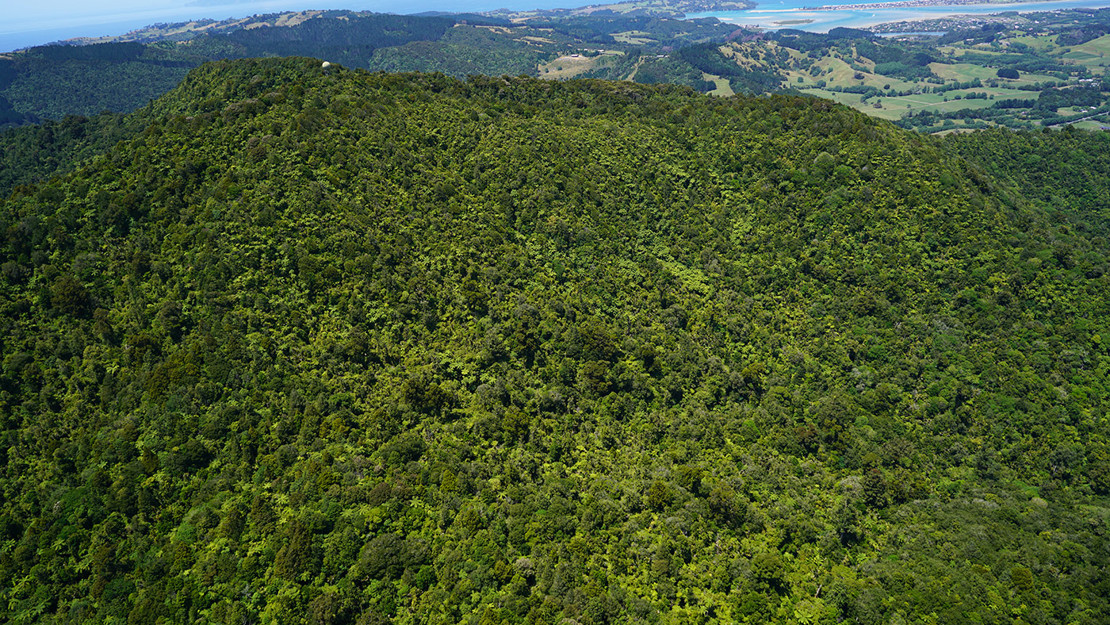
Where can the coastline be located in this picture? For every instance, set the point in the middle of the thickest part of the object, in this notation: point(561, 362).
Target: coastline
point(771, 15)
point(903, 4)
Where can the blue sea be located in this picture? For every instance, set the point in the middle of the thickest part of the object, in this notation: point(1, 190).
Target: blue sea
point(777, 14)
point(26, 24)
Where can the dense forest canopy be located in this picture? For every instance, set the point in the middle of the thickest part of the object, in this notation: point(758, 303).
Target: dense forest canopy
point(1066, 173)
point(317, 345)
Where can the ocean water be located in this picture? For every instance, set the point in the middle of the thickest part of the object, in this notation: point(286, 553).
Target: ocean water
point(778, 14)
point(26, 24)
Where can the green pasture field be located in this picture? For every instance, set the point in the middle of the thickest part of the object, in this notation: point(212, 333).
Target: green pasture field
point(633, 37)
point(1094, 53)
point(847, 99)
point(897, 106)
point(894, 107)
point(843, 75)
point(1093, 124)
point(836, 71)
point(954, 130)
point(1038, 43)
point(1002, 93)
point(566, 67)
point(870, 80)
point(959, 51)
point(723, 88)
point(966, 72)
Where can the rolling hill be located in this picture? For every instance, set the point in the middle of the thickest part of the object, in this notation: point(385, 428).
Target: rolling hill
point(318, 345)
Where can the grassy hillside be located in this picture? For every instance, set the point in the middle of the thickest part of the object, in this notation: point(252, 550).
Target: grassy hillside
point(324, 346)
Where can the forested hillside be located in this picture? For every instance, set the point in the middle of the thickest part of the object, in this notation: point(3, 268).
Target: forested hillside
point(324, 346)
point(1065, 172)
point(34, 153)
